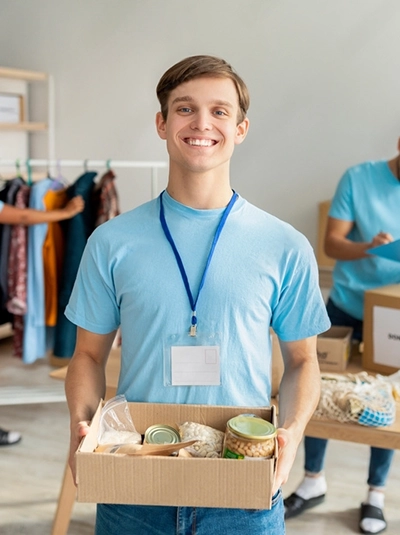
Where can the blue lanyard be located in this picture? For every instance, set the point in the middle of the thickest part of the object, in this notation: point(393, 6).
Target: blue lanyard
point(193, 302)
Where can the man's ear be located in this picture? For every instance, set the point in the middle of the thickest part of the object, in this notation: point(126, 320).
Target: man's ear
point(161, 126)
point(241, 131)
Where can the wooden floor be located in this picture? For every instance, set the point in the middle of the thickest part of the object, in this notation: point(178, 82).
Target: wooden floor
point(31, 471)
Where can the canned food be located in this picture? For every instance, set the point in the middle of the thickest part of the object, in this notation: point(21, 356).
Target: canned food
point(249, 437)
point(161, 434)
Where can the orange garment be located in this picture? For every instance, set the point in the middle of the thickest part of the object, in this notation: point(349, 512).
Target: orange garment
point(53, 256)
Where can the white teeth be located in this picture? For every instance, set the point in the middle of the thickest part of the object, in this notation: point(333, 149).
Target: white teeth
point(200, 142)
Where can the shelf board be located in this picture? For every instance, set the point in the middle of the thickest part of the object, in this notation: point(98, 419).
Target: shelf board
point(20, 74)
point(23, 126)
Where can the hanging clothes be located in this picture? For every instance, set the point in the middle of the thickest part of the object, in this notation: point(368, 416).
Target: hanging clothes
point(53, 256)
point(105, 199)
point(77, 231)
point(34, 338)
point(8, 192)
point(17, 268)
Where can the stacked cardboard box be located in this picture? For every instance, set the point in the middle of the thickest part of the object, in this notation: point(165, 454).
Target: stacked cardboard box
point(334, 349)
point(381, 335)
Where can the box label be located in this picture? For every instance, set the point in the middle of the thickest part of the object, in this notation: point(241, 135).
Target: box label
point(386, 336)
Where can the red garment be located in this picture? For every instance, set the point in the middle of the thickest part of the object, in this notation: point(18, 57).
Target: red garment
point(106, 199)
point(17, 269)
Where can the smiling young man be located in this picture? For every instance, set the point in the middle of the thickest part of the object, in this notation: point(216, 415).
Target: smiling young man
point(198, 264)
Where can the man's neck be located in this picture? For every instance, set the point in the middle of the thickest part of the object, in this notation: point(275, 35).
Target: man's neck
point(394, 166)
point(200, 191)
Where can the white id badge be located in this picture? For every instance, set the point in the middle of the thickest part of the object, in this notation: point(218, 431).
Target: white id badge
point(192, 360)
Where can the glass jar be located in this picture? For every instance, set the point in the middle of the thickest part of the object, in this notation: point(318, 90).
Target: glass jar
point(249, 437)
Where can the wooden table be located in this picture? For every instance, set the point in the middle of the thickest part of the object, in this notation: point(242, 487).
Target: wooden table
point(383, 437)
point(380, 437)
point(67, 494)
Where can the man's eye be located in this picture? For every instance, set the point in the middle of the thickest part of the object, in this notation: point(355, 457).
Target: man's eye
point(220, 112)
point(185, 110)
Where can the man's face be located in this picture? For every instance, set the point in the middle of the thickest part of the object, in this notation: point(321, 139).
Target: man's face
point(201, 129)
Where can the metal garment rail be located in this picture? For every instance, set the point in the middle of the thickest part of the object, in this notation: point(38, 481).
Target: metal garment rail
point(85, 164)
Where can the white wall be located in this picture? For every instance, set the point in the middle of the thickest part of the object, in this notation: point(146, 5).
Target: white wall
point(324, 80)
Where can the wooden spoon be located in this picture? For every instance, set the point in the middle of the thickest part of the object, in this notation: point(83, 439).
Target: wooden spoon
point(144, 449)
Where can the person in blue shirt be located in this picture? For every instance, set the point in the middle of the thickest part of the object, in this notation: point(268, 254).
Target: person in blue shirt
point(11, 215)
point(199, 261)
point(364, 213)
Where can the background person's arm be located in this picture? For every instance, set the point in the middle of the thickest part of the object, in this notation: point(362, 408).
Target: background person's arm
point(299, 393)
point(85, 383)
point(339, 247)
point(11, 215)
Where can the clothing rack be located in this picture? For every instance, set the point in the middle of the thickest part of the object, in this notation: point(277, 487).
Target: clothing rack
point(85, 164)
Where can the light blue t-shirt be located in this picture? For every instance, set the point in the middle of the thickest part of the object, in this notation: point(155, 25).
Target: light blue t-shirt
point(1, 205)
point(263, 272)
point(35, 344)
point(369, 195)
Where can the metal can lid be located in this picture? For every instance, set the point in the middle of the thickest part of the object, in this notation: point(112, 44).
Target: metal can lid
point(161, 434)
point(252, 427)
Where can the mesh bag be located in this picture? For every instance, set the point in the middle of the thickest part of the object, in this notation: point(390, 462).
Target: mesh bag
point(360, 398)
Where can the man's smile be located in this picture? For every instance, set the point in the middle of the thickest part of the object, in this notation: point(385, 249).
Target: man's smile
point(200, 142)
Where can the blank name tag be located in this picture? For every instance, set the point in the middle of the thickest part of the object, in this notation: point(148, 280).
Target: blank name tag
point(195, 366)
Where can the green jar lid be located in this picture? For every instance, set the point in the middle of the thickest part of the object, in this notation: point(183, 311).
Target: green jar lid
point(252, 427)
point(161, 434)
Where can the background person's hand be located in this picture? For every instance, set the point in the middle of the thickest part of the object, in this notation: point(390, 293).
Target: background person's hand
point(381, 239)
point(75, 206)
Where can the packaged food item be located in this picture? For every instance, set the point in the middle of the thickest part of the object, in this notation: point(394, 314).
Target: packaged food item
point(116, 425)
point(249, 437)
point(161, 434)
point(208, 440)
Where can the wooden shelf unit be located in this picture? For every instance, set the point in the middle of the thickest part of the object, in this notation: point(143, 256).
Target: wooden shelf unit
point(24, 76)
point(24, 126)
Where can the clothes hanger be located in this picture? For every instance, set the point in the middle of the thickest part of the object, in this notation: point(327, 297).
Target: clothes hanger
point(29, 171)
point(18, 168)
point(59, 180)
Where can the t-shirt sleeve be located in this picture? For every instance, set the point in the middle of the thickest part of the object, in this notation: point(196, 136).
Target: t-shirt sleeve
point(300, 311)
point(342, 202)
point(1, 205)
point(93, 303)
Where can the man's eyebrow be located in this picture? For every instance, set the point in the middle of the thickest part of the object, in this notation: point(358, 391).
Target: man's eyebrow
point(188, 98)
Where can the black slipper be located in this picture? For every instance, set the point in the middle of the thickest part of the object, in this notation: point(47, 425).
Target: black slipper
point(9, 437)
point(295, 505)
point(370, 511)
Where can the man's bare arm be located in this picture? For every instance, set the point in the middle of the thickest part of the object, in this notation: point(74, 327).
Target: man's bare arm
point(339, 247)
point(298, 397)
point(85, 383)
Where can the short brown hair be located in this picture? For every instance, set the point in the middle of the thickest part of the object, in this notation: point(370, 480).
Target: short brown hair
point(196, 67)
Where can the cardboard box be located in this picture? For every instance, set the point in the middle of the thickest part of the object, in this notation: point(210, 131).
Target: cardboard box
point(334, 348)
point(381, 332)
point(175, 481)
point(323, 260)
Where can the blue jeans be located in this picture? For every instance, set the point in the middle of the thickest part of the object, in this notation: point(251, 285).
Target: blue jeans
point(156, 520)
point(315, 448)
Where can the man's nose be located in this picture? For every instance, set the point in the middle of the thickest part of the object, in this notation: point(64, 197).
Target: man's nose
point(201, 121)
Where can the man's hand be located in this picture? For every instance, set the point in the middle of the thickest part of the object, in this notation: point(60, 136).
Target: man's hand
point(80, 431)
point(287, 448)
